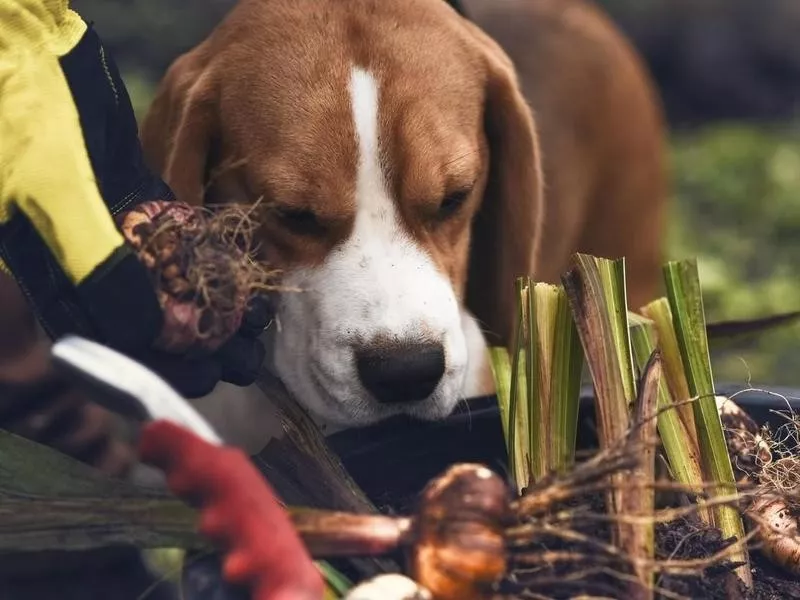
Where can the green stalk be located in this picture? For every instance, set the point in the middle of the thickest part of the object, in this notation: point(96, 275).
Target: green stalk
point(501, 373)
point(596, 292)
point(336, 584)
point(543, 433)
point(660, 313)
point(682, 454)
point(642, 502)
point(518, 433)
point(537, 423)
point(686, 302)
point(561, 363)
point(546, 306)
point(613, 272)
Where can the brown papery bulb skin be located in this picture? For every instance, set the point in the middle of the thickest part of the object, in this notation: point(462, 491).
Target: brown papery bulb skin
point(774, 513)
point(460, 548)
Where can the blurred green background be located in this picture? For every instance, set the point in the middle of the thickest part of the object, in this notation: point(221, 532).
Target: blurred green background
point(729, 75)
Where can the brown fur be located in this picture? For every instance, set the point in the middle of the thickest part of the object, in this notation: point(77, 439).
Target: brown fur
point(269, 90)
point(601, 128)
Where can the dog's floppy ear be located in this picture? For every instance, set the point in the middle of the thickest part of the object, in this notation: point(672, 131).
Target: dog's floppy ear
point(507, 228)
point(180, 126)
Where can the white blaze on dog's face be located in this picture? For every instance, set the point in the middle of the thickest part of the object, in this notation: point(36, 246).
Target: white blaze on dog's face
point(398, 165)
point(377, 329)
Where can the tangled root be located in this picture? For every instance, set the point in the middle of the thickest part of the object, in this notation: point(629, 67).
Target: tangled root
point(768, 463)
point(203, 269)
point(775, 512)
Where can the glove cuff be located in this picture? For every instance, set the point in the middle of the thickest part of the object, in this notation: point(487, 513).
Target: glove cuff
point(121, 302)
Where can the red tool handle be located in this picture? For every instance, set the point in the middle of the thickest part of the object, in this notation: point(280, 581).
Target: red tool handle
point(239, 512)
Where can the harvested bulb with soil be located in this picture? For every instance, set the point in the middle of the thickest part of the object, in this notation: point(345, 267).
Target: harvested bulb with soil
point(772, 507)
point(775, 510)
point(203, 269)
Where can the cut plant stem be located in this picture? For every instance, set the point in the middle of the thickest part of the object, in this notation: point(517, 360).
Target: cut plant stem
point(336, 584)
point(595, 288)
point(560, 364)
point(537, 377)
point(682, 452)
point(686, 303)
point(642, 502)
point(518, 432)
point(660, 314)
point(596, 291)
point(550, 357)
point(501, 373)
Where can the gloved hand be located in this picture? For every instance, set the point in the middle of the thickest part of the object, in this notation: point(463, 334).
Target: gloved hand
point(38, 403)
point(239, 511)
point(70, 157)
point(238, 361)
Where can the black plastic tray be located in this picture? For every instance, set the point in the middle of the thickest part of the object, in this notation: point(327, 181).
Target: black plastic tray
point(392, 461)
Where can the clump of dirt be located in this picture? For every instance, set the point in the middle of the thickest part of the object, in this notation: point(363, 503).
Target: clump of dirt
point(689, 539)
point(203, 265)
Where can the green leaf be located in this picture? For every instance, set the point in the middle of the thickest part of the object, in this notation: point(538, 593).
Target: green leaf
point(543, 393)
point(501, 373)
point(686, 302)
point(336, 584)
point(661, 315)
point(561, 364)
point(49, 501)
point(518, 425)
point(596, 291)
point(679, 445)
point(597, 297)
point(537, 421)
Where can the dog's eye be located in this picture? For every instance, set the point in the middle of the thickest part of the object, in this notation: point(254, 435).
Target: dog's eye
point(452, 203)
point(300, 220)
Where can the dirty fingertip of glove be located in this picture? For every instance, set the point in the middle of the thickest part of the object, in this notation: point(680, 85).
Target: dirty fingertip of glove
point(191, 378)
point(260, 311)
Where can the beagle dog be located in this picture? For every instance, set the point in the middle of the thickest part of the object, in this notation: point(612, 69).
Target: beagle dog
point(411, 163)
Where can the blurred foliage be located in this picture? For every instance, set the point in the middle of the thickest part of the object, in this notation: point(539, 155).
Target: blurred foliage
point(166, 562)
point(737, 208)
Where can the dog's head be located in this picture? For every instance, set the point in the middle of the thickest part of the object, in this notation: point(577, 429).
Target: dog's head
point(399, 169)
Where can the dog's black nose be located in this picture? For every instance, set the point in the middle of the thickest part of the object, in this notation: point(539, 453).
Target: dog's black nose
point(401, 372)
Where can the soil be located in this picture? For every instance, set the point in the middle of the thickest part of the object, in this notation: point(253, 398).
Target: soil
point(592, 572)
point(715, 583)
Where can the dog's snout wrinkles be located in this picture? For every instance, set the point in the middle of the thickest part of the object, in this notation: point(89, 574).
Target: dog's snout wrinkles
point(402, 372)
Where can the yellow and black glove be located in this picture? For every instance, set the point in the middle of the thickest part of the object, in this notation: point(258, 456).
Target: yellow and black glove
point(70, 158)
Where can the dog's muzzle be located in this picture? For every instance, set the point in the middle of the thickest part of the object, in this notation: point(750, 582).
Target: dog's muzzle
point(397, 373)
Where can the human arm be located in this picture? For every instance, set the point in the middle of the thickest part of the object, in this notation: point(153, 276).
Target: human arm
point(70, 158)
